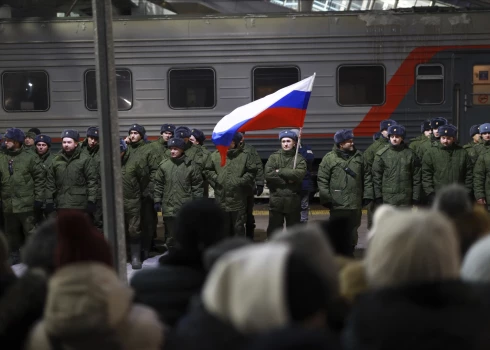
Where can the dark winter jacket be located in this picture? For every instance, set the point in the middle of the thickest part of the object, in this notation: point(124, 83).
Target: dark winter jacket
point(444, 315)
point(307, 154)
point(22, 180)
point(284, 182)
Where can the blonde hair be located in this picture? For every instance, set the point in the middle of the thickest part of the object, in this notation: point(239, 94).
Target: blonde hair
point(413, 247)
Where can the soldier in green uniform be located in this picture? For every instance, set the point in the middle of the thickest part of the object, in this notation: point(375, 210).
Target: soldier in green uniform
point(369, 155)
point(231, 183)
point(470, 147)
point(177, 181)
point(29, 140)
point(198, 138)
point(160, 145)
point(424, 145)
point(445, 163)
point(284, 182)
point(22, 179)
point(344, 181)
point(192, 151)
point(397, 172)
point(43, 150)
point(426, 133)
point(484, 145)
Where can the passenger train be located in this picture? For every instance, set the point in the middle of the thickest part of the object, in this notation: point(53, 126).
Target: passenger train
point(406, 65)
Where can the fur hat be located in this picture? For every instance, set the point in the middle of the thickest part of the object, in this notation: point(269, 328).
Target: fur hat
point(475, 129)
point(138, 128)
point(182, 132)
point(343, 135)
point(476, 263)
point(199, 135)
point(397, 130)
point(167, 127)
point(376, 135)
point(435, 123)
point(122, 145)
point(425, 126)
point(385, 124)
point(484, 128)
point(15, 134)
point(447, 130)
point(93, 132)
point(237, 138)
point(176, 142)
point(289, 134)
point(72, 134)
point(43, 138)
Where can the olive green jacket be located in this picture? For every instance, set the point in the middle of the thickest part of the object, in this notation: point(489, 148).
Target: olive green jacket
point(24, 184)
point(370, 152)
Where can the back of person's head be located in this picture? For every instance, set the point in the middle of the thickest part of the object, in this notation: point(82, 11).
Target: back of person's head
point(227, 245)
point(265, 287)
point(79, 241)
point(4, 255)
point(199, 224)
point(380, 215)
point(471, 227)
point(311, 243)
point(413, 247)
point(337, 233)
point(292, 338)
point(476, 263)
point(39, 250)
point(453, 200)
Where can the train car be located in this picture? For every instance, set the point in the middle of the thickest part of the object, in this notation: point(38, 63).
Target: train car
point(405, 65)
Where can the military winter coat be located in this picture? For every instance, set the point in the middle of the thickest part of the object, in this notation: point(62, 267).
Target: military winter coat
point(25, 185)
point(470, 148)
point(259, 178)
point(415, 142)
point(481, 177)
point(443, 166)
point(160, 149)
point(344, 189)
point(72, 181)
point(177, 181)
point(95, 155)
point(370, 152)
point(195, 154)
point(397, 175)
point(46, 159)
point(284, 182)
point(232, 181)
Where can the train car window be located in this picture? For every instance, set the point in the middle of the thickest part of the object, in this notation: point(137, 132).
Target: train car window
point(429, 86)
point(361, 85)
point(481, 85)
point(25, 91)
point(267, 80)
point(124, 90)
point(192, 88)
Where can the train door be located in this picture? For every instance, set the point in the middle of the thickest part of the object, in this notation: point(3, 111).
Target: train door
point(471, 92)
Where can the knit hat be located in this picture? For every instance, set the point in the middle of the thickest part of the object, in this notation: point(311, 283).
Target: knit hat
point(176, 142)
point(425, 126)
point(32, 133)
point(72, 134)
point(122, 145)
point(475, 129)
point(167, 127)
point(476, 263)
point(15, 134)
point(93, 132)
point(385, 124)
point(484, 128)
point(447, 130)
point(79, 240)
point(216, 251)
point(43, 138)
point(435, 123)
point(138, 128)
point(397, 130)
point(199, 135)
point(182, 132)
point(289, 134)
point(237, 138)
point(343, 135)
point(34, 130)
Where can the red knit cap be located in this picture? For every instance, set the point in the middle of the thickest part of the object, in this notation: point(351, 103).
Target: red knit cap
point(79, 240)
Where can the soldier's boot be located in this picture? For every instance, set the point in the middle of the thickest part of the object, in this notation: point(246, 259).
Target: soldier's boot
point(14, 258)
point(135, 256)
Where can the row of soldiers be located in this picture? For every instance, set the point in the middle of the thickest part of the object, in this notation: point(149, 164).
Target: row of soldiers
point(157, 177)
point(392, 172)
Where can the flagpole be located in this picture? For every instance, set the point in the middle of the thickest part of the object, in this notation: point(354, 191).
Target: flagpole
point(297, 147)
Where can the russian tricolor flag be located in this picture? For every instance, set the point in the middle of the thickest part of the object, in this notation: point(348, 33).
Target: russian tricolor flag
point(283, 108)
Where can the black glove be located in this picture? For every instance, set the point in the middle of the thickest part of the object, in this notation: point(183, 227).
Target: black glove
point(415, 202)
point(157, 207)
point(49, 208)
point(366, 201)
point(91, 207)
point(430, 198)
point(38, 204)
point(328, 205)
point(260, 190)
point(378, 201)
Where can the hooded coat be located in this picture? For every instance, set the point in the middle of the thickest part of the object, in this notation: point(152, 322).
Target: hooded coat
point(397, 175)
point(339, 188)
point(72, 181)
point(88, 307)
point(284, 182)
point(446, 165)
point(25, 185)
